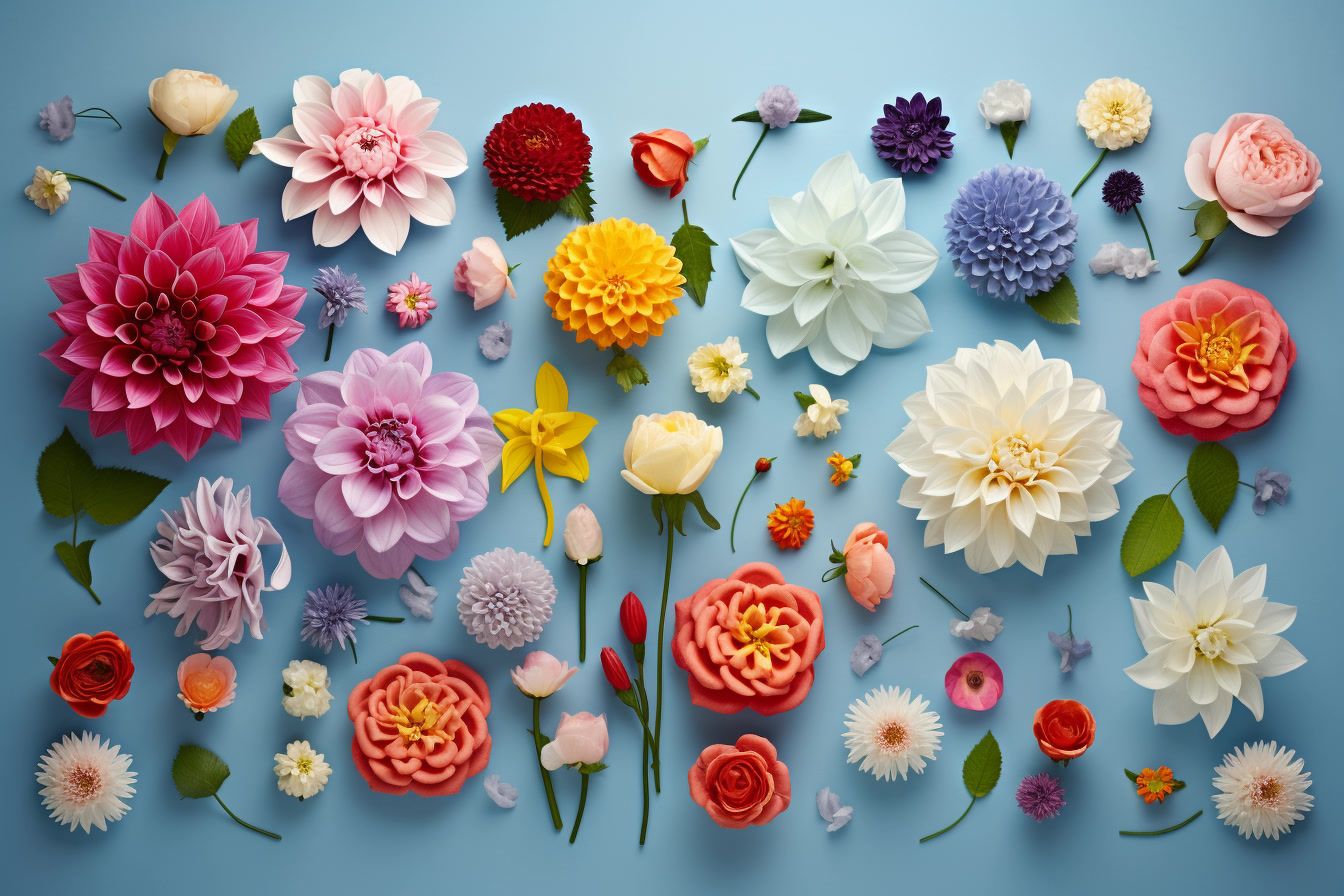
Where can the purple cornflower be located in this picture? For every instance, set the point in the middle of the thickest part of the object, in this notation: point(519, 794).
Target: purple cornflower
point(1122, 191)
point(340, 292)
point(57, 118)
point(1040, 796)
point(912, 135)
point(778, 106)
point(1270, 485)
point(329, 616)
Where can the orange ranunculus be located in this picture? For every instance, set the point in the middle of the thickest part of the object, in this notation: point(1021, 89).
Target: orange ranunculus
point(92, 671)
point(749, 641)
point(869, 569)
point(661, 158)
point(206, 683)
point(420, 725)
point(1064, 729)
point(741, 784)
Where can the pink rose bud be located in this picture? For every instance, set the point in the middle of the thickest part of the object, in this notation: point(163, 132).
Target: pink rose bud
point(483, 274)
point(583, 536)
point(541, 674)
point(580, 739)
point(869, 569)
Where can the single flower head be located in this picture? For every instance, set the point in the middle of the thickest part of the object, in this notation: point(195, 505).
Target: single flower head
point(670, 454)
point(190, 103)
point(890, 732)
point(301, 771)
point(483, 274)
point(329, 616)
point(206, 683)
point(974, 681)
point(832, 811)
point(1064, 729)
point(912, 135)
point(662, 157)
point(418, 595)
point(1122, 190)
point(307, 691)
point(506, 598)
point(1005, 101)
point(495, 341)
point(842, 468)
point(634, 621)
point(790, 524)
point(778, 106)
point(1040, 796)
point(1071, 649)
point(412, 301)
point(582, 535)
point(741, 784)
point(1155, 784)
point(1270, 485)
point(92, 672)
point(1115, 113)
point(1262, 790)
point(503, 795)
point(614, 670)
point(865, 655)
point(341, 293)
point(821, 413)
point(541, 674)
point(49, 190)
point(538, 153)
point(580, 739)
point(983, 625)
point(1117, 258)
point(719, 370)
point(57, 118)
point(85, 781)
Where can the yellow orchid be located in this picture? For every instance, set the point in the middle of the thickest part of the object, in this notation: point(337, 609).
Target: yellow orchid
point(549, 438)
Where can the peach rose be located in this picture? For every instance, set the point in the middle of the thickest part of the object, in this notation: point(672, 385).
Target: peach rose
point(1064, 729)
point(1213, 361)
point(749, 641)
point(92, 671)
point(740, 785)
point(661, 158)
point(1256, 169)
point(420, 725)
point(869, 569)
point(206, 683)
point(483, 274)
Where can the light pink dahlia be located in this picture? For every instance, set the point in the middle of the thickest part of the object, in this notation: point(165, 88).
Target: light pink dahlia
point(362, 155)
point(177, 331)
point(411, 301)
point(389, 458)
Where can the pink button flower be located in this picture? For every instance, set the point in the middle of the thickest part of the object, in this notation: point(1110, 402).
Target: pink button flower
point(412, 301)
point(974, 681)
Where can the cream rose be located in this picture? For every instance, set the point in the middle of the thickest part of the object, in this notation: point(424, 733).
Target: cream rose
point(190, 103)
point(670, 454)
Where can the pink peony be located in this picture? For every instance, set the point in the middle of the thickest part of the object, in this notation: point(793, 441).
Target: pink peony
point(869, 569)
point(1256, 169)
point(362, 155)
point(389, 458)
point(1213, 361)
point(483, 274)
point(974, 681)
point(411, 300)
point(177, 331)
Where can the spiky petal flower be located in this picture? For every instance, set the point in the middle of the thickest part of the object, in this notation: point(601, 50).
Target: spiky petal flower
point(329, 616)
point(176, 331)
point(912, 135)
point(1262, 790)
point(1040, 796)
point(341, 293)
point(210, 553)
point(506, 598)
point(1122, 190)
point(85, 781)
point(1010, 457)
point(891, 732)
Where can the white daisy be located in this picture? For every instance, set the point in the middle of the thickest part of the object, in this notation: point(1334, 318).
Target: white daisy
point(301, 771)
point(1262, 790)
point(306, 689)
point(821, 413)
point(719, 370)
point(891, 731)
point(85, 781)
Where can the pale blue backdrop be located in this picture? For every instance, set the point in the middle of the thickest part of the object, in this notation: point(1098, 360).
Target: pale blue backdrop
point(691, 66)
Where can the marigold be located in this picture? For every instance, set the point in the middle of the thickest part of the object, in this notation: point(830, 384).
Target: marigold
point(1154, 785)
point(842, 468)
point(613, 283)
point(790, 524)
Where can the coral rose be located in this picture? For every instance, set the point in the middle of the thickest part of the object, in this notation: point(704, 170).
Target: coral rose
point(749, 641)
point(1213, 361)
point(92, 671)
point(420, 725)
point(742, 784)
point(206, 683)
point(1255, 169)
point(869, 569)
point(1064, 729)
point(661, 158)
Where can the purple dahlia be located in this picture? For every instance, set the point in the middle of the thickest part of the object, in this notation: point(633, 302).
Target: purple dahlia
point(912, 135)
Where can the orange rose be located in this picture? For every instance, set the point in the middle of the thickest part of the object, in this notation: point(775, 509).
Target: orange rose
point(92, 671)
point(661, 158)
point(742, 784)
point(1064, 729)
point(420, 725)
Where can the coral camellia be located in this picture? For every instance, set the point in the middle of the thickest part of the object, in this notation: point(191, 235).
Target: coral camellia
point(538, 153)
point(389, 458)
point(740, 784)
point(420, 726)
point(749, 641)
point(1213, 361)
point(176, 331)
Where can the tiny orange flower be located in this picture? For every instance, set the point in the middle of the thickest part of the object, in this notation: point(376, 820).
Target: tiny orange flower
point(790, 524)
point(842, 468)
point(1154, 785)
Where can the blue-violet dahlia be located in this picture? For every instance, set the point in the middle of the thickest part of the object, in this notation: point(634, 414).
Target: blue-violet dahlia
point(912, 135)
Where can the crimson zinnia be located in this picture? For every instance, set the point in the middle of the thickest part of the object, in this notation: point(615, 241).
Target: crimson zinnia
point(538, 153)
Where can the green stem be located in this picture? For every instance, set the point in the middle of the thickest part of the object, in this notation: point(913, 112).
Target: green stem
point(93, 183)
point(331, 337)
point(752, 392)
point(392, 619)
point(163, 163)
point(685, 215)
point(1174, 827)
point(662, 646)
point(1174, 487)
point(84, 113)
point(648, 735)
point(578, 815)
point(929, 837)
point(1196, 258)
point(354, 653)
point(1138, 214)
point(74, 532)
point(765, 129)
point(556, 820)
point(929, 586)
point(1069, 607)
point(1089, 172)
point(251, 827)
point(169, 144)
point(642, 711)
point(899, 633)
point(583, 610)
point(732, 529)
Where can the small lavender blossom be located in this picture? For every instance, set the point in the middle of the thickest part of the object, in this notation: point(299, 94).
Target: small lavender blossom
point(496, 341)
point(831, 811)
point(866, 654)
point(1070, 648)
point(57, 118)
point(1270, 485)
point(418, 595)
point(503, 795)
point(329, 616)
point(779, 106)
point(340, 293)
point(1040, 796)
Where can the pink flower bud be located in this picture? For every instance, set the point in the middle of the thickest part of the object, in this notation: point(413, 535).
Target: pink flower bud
point(541, 674)
point(580, 739)
point(483, 274)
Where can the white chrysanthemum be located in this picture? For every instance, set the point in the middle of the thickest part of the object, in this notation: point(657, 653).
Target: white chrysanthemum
point(719, 370)
point(85, 781)
point(301, 771)
point(1010, 457)
point(821, 417)
point(49, 190)
point(1210, 637)
point(890, 732)
point(835, 273)
point(306, 688)
point(1115, 113)
point(1262, 790)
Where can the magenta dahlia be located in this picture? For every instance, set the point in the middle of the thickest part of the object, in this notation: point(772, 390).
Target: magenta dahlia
point(177, 331)
point(389, 458)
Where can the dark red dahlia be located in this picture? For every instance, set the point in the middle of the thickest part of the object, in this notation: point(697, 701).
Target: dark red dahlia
point(538, 153)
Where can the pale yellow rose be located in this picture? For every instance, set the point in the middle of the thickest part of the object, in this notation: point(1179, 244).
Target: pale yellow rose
point(190, 103)
point(670, 454)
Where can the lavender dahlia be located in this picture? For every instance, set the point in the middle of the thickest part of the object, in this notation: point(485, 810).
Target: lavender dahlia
point(912, 135)
point(506, 598)
point(1040, 796)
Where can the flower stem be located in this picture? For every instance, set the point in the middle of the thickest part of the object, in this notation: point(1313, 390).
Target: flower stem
point(642, 710)
point(331, 337)
point(556, 820)
point(929, 837)
point(169, 144)
point(250, 827)
point(648, 735)
point(74, 543)
point(354, 654)
point(84, 113)
point(752, 392)
point(899, 633)
point(1138, 214)
point(93, 183)
point(1089, 172)
point(732, 529)
point(765, 129)
point(578, 815)
point(1196, 258)
point(1174, 827)
point(1177, 485)
point(545, 501)
point(1069, 607)
point(583, 610)
point(392, 619)
point(662, 647)
point(929, 586)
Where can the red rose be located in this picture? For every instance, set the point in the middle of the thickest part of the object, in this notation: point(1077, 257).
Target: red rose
point(92, 671)
point(740, 785)
point(662, 157)
point(1064, 729)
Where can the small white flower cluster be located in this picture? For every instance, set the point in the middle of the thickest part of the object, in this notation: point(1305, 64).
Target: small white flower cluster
point(306, 689)
point(1117, 258)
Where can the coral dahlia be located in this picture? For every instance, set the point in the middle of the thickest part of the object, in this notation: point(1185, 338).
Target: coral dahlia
point(538, 153)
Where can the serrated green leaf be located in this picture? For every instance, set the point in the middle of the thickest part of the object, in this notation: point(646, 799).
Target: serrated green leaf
point(1195, 206)
point(243, 131)
point(1153, 534)
point(752, 116)
point(1210, 220)
point(197, 772)
point(579, 204)
point(519, 216)
point(983, 765)
point(1008, 131)
point(808, 116)
point(1212, 473)
point(1058, 304)
point(63, 474)
point(627, 370)
point(116, 495)
point(705, 516)
point(692, 246)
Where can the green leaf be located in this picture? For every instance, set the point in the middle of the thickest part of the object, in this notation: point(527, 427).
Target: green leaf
point(692, 246)
point(1153, 534)
point(805, 401)
point(1131, 776)
point(808, 116)
point(75, 559)
point(197, 772)
point(656, 504)
point(116, 495)
point(982, 767)
point(1058, 304)
point(1195, 206)
point(700, 145)
point(242, 133)
point(752, 116)
point(1210, 220)
point(676, 511)
point(1212, 473)
point(627, 370)
point(519, 216)
point(579, 204)
point(63, 474)
point(1008, 131)
point(705, 516)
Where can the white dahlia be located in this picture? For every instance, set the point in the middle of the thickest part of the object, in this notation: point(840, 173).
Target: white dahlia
point(1262, 790)
point(1210, 637)
point(85, 781)
point(835, 273)
point(891, 732)
point(301, 771)
point(1010, 457)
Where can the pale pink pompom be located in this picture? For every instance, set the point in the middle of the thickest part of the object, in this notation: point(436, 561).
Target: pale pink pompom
point(483, 274)
point(412, 301)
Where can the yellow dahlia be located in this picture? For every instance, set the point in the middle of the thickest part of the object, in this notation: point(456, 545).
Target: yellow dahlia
point(613, 283)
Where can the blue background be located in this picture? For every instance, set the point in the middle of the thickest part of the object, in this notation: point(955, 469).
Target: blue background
point(692, 66)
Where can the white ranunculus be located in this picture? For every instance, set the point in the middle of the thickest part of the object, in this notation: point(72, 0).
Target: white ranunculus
point(1009, 456)
point(670, 454)
point(835, 273)
point(1210, 637)
point(190, 103)
point(1005, 101)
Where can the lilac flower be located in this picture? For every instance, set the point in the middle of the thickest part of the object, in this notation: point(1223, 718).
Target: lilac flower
point(57, 118)
point(506, 598)
point(496, 341)
point(1122, 191)
point(1270, 485)
point(505, 796)
point(779, 106)
point(831, 811)
point(340, 292)
point(912, 135)
point(329, 616)
point(1040, 796)
point(1070, 648)
point(867, 653)
point(418, 595)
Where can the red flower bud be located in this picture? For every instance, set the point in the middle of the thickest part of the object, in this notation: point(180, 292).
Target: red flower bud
point(633, 621)
point(762, 465)
point(614, 669)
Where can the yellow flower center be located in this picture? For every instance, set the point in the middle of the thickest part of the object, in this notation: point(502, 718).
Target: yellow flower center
point(721, 366)
point(1210, 641)
point(412, 300)
point(762, 635)
point(1218, 352)
point(304, 765)
point(1016, 459)
point(1266, 791)
point(1116, 109)
point(892, 737)
point(422, 723)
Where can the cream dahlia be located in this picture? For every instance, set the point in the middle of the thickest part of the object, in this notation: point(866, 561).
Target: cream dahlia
point(85, 781)
point(1262, 790)
point(1115, 113)
point(301, 771)
point(892, 732)
point(1009, 456)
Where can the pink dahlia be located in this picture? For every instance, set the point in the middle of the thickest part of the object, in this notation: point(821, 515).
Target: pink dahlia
point(411, 301)
point(362, 155)
point(177, 331)
point(389, 458)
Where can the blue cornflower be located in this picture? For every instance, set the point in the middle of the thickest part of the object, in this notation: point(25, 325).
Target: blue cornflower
point(340, 292)
point(329, 616)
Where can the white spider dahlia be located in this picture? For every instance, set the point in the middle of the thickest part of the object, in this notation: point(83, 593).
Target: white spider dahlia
point(835, 273)
point(1010, 457)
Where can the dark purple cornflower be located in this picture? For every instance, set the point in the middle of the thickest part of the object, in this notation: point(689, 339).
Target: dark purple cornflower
point(1040, 796)
point(1122, 191)
point(912, 135)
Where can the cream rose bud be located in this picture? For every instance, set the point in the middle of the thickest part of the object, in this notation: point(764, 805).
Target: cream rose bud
point(580, 739)
point(190, 103)
point(541, 674)
point(1005, 101)
point(583, 535)
point(670, 454)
